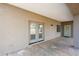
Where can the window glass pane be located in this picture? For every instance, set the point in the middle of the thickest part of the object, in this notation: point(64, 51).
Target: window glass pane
point(58, 28)
point(33, 36)
point(40, 35)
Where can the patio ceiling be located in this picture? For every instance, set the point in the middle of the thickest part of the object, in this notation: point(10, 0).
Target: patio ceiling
point(74, 7)
point(57, 11)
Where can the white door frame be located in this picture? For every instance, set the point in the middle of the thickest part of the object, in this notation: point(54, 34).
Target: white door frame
point(37, 33)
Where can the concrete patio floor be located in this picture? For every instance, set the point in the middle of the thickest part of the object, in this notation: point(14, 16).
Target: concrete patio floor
point(57, 47)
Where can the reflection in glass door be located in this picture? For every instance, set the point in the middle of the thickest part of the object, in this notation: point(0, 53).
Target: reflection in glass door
point(36, 32)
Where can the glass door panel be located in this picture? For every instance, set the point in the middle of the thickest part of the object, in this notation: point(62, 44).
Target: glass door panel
point(40, 32)
point(33, 31)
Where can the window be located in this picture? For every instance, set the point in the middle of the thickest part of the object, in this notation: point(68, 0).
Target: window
point(58, 28)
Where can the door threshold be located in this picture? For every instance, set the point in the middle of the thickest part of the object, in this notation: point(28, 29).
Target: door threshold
point(35, 42)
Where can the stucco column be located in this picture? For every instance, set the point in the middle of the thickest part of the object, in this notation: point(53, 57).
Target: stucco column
point(76, 31)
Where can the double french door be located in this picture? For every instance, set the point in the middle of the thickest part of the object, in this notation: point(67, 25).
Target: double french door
point(36, 32)
point(67, 30)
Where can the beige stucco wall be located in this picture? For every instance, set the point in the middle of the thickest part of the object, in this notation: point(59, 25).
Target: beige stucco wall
point(14, 24)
